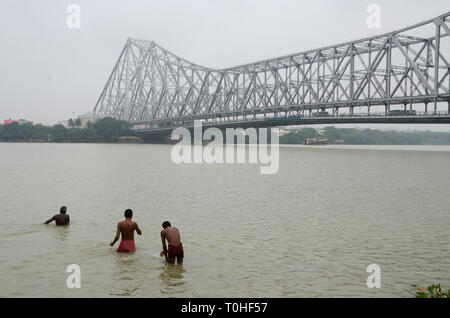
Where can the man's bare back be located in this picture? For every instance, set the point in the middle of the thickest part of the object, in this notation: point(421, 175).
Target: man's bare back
point(126, 230)
point(172, 235)
point(60, 219)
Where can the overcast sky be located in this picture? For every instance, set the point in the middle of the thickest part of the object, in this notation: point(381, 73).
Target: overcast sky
point(50, 72)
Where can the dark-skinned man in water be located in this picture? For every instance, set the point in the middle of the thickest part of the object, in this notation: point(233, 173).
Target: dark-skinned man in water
point(60, 219)
point(126, 229)
point(172, 235)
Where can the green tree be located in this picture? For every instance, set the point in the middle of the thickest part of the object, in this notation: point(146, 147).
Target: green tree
point(109, 129)
point(11, 132)
point(59, 133)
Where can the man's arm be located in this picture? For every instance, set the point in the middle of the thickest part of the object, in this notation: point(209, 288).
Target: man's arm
point(50, 220)
point(117, 235)
point(163, 240)
point(138, 230)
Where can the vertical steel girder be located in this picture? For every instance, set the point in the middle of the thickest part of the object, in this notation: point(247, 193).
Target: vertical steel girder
point(148, 83)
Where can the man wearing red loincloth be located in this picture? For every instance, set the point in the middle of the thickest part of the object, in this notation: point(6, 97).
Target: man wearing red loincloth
point(126, 229)
point(172, 235)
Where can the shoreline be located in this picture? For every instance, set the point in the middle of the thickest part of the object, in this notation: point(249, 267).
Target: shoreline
point(329, 146)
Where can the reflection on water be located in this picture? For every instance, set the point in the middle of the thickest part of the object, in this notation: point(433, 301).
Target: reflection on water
point(125, 277)
point(130, 274)
point(61, 233)
point(172, 279)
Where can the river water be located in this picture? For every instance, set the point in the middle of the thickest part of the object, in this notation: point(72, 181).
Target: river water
point(309, 230)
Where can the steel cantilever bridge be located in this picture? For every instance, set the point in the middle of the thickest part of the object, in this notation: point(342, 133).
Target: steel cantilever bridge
point(398, 77)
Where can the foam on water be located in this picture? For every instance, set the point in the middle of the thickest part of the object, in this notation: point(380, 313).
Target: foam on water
point(157, 255)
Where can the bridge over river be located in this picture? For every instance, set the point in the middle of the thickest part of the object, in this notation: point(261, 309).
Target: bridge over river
point(398, 77)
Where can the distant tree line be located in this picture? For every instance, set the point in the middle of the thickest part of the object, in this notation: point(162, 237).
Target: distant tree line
point(104, 130)
point(110, 130)
point(368, 136)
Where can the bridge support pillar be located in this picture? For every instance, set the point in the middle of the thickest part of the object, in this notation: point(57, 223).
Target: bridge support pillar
point(426, 108)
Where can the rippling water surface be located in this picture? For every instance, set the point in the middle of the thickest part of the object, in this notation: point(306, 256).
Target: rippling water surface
point(310, 230)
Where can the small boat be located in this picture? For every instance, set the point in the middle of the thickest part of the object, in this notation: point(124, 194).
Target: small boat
point(315, 141)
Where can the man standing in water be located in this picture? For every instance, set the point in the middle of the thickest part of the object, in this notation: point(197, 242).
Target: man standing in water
point(60, 219)
point(126, 228)
point(172, 235)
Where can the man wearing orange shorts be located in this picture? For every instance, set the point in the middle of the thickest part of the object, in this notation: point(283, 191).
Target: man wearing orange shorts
point(126, 228)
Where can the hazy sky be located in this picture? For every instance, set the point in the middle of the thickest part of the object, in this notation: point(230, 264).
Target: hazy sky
point(50, 72)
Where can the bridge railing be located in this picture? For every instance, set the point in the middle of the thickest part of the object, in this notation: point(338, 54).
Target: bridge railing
point(298, 118)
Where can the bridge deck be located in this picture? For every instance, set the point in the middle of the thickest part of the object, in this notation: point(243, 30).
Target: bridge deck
point(419, 118)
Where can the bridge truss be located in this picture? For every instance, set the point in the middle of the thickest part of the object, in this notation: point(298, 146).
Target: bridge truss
point(402, 68)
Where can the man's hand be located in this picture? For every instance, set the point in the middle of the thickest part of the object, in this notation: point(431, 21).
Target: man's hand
point(117, 235)
point(50, 220)
point(162, 253)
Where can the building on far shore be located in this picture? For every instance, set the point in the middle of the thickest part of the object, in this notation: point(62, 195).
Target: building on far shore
point(86, 119)
point(64, 123)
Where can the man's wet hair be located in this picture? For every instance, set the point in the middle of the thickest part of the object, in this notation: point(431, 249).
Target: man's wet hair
point(166, 224)
point(63, 209)
point(128, 213)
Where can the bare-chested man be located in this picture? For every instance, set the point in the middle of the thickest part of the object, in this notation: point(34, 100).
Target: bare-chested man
point(60, 219)
point(172, 235)
point(126, 228)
